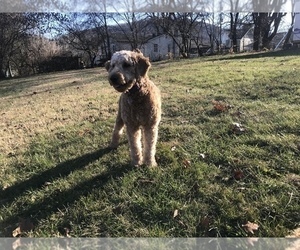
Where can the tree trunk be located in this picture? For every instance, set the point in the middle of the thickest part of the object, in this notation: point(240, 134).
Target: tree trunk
point(258, 25)
point(92, 58)
point(8, 70)
point(268, 20)
point(288, 36)
point(233, 30)
point(287, 43)
point(108, 49)
point(262, 26)
point(2, 73)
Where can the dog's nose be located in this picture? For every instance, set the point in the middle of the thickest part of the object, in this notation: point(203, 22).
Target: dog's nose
point(114, 78)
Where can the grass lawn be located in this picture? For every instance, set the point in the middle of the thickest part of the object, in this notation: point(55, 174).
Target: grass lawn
point(228, 153)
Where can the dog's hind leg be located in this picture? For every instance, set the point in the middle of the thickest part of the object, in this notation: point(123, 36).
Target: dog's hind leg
point(118, 130)
point(135, 144)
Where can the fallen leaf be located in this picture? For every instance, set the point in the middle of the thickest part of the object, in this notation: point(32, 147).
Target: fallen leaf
point(220, 106)
point(205, 222)
point(238, 174)
point(250, 227)
point(25, 225)
point(16, 232)
point(186, 163)
point(65, 230)
point(175, 214)
point(237, 128)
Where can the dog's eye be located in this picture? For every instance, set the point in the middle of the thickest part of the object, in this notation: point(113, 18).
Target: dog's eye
point(126, 65)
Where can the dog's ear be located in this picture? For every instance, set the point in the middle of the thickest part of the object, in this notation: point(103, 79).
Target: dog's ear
point(143, 65)
point(107, 65)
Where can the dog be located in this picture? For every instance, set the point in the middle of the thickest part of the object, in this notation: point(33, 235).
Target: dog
point(139, 105)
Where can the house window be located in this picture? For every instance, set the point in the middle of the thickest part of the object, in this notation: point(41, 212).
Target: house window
point(155, 48)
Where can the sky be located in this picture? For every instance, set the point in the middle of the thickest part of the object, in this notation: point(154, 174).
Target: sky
point(133, 5)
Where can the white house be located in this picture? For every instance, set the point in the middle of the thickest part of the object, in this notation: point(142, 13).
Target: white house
point(296, 30)
point(246, 41)
point(156, 48)
point(160, 47)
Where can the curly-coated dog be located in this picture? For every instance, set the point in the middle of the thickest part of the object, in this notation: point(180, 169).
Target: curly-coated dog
point(139, 105)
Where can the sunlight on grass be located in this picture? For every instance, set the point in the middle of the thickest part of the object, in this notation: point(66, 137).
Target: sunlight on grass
point(58, 172)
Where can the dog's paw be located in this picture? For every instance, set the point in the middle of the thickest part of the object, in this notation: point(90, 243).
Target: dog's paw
point(113, 145)
point(136, 163)
point(151, 163)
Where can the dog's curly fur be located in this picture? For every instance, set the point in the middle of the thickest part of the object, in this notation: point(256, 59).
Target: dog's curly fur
point(139, 105)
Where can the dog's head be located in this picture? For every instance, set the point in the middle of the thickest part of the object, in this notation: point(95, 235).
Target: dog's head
point(127, 68)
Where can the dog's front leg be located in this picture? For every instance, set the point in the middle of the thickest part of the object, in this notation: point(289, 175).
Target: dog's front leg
point(118, 130)
point(150, 138)
point(134, 139)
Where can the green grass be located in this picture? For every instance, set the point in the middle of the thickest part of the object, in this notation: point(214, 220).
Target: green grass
point(57, 172)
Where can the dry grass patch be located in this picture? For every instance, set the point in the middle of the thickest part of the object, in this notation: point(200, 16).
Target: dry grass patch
point(52, 102)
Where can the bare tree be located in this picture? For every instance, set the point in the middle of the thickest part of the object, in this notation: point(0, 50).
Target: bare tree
point(83, 32)
point(133, 27)
point(266, 24)
point(99, 24)
point(200, 37)
point(182, 6)
point(38, 49)
point(290, 31)
point(187, 25)
point(182, 27)
point(209, 22)
point(14, 30)
point(234, 17)
point(38, 6)
point(265, 28)
point(235, 7)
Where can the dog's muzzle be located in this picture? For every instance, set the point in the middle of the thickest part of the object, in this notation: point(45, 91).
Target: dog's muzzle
point(117, 81)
